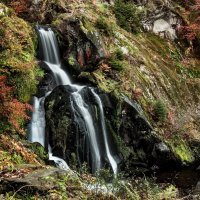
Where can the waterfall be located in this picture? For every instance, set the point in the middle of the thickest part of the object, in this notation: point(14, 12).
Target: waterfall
point(105, 134)
point(49, 46)
point(51, 57)
point(92, 136)
point(49, 52)
point(37, 127)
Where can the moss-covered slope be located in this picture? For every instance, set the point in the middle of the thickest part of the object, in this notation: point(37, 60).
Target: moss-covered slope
point(146, 68)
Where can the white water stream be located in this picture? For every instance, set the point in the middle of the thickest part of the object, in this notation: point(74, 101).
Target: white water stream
point(105, 135)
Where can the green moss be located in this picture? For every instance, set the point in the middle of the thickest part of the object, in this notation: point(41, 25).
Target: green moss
point(102, 25)
point(51, 104)
point(183, 151)
point(88, 76)
point(107, 85)
point(115, 64)
point(86, 26)
point(71, 59)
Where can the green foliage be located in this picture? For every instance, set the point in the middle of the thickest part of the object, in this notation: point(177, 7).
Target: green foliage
point(143, 188)
point(103, 7)
point(187, 72)
point(115, 64)
point(160, 111)
point(84, 169)
point(4, 11)
point(104, 176)
point(39, 150)
point(17, 53)
point(16, 44)
point(102, 25)
point(17, 159)
point(119, 54)
point(128, 16)
point(115, 60)
point(25, 84)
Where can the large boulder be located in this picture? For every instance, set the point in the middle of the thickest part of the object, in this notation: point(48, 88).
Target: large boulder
point(140, 147)
point(164, 23)
point(60, 129)
point(82, 45)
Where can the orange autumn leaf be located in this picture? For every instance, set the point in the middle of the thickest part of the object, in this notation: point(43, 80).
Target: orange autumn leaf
point(104, 67)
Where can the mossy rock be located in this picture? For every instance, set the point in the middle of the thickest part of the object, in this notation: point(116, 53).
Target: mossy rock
point(82, 44)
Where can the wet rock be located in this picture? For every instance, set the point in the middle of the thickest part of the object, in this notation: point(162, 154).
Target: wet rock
point(197, 188)
point(82, 45)
point(61, 132)
point(47, 83)
point(164, 157)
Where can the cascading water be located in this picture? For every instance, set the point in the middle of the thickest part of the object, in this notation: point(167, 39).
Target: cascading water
point(37, 128)
point(105, 134)
point(51, 58)
point(50, 54)
point(85, 114)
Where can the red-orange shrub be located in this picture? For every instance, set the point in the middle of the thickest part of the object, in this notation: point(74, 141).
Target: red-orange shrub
point(192, 30)
point(19, 6)
point(12, 112)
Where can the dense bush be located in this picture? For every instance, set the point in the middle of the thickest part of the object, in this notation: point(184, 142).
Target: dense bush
point(119, 54)
point(128, 16)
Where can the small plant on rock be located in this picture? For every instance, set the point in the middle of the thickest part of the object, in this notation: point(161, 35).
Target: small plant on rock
point(115, 64)
point(119, 54)
point(160, 111)
point(115, 60)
